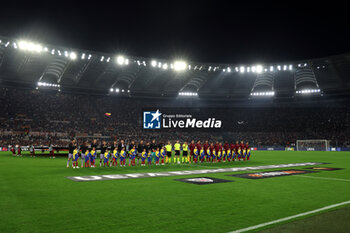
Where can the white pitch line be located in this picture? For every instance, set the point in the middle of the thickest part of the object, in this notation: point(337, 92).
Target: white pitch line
point(323, 178)
point(290, 217)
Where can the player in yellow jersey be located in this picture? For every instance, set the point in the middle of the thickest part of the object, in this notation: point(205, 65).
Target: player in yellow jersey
point(75, 158)
point(168, 149)
point(177, 147)
point(185, 155)
point(143, 157)
point(115, 157)
point(106, 158)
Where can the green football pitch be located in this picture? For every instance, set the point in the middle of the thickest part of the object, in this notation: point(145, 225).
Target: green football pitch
point(37, 196)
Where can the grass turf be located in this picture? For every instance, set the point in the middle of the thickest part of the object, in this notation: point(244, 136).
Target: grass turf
point(36, 196)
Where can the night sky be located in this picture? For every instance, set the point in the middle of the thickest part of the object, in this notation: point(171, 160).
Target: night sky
point(204, 31)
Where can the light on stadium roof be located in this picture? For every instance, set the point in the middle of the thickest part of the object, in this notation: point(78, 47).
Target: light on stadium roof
point(73, 56)
point(154, 63)
point(89, 57)
point(117, 90)
point(122, 61)
point(103, 57)
point(290, 67)
point(285, 67)
point(111, 90)
point(191, 94)
point(180, 65)
point(29, 46)
point(271, 68)
point(165, 66)
point(229, 69)
point(268, 93)
point(242, 69)
point(279, 67)
point(308, 91)
point(259, 69)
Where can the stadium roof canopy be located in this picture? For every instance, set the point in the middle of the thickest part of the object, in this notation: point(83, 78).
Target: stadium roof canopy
point(29, 63)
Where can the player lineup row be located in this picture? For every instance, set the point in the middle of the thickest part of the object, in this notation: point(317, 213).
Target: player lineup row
point(159, 157)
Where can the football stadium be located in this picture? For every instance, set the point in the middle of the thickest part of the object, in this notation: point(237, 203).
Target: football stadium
point(95, 141)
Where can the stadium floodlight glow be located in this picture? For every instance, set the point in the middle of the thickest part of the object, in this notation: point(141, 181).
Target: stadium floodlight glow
point(159, 64)
point(271, 68)
point(290, 67)
point(111, 90)
point(248, 69)
point(89, 57)
point(15, 45)
point(180, 65)
point(165, 66)
point(209, 69)
point(117, 90)
point(121, 60)
point(29, 46)
point(154, 63)
point(308, 91)
point(229, 69)
point(73, 56)
point(102, 58)
point(279, 67)
point(268, 93)
point(83, 56)
point(259, 69)
point(108, 59)
point(188, 94)
point(59, 52)
point(66, 53)
point(242, 69)
point(122, 90)
point(44, 84)
point(285, 67)
point(53, 52)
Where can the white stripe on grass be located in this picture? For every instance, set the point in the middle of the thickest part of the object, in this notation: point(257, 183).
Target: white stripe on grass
point(291, 217)
point(323, 178)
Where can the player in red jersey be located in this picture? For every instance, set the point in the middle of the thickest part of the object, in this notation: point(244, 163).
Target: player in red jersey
point(226, 147)
point(192, 146)
point(236, 151)
point(211, 148)
point(199, 146)
point(217, 147)
point(232, 148)
point(205, 147)
point(247, 149)
point(19, 150)
point(242, 147)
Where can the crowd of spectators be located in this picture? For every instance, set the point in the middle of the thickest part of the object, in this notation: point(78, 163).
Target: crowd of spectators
point(35, 117)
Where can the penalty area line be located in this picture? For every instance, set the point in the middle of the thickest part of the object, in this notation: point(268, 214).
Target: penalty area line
point(291, 217)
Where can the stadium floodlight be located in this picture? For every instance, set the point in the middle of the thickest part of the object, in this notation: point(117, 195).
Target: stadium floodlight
point(128, 91)
point(242, 69)
point(165, 66)
point(102, 58)
point(66, 53)
point(268, 93)
point(111, 90)
point(154, 63)
point(108, 59)
point(73, 56)
point(285, 67)
point(117, 90)
point(89, 57)
point(229, 69)
point(259, 69)
point(122, 90)
point(279, 67)
point(15, 45)
point(180, 65)
point(209, 69)
point(271, 68)
point(290, 67)
point(159, 65)
point(121, 60)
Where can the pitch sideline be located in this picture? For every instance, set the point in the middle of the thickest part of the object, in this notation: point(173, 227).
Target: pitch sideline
point(291, 217)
